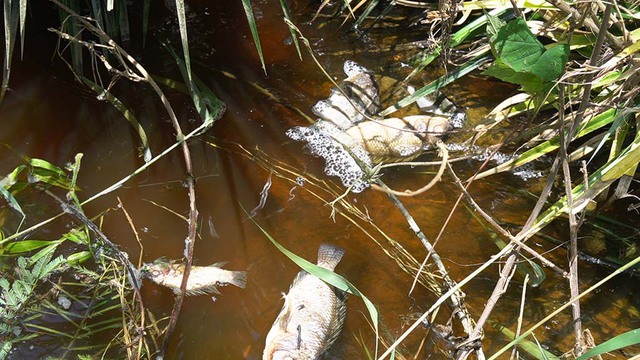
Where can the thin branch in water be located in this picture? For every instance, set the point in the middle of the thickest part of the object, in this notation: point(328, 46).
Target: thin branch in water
point(443, 165)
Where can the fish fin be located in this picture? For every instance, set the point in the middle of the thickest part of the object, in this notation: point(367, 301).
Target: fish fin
point(219, 264)
point(239, 279)
point(337, 321)
point(329, 256)
point(285, 313)
point(203, 291)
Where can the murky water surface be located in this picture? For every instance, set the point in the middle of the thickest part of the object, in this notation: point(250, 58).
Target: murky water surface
point(47, 115)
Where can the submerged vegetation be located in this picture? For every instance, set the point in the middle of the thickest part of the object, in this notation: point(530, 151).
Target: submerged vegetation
point(573, 71)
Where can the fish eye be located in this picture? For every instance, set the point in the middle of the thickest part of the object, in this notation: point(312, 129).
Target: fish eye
point(155, 273)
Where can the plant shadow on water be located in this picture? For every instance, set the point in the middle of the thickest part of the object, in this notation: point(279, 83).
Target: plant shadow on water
point(48, 116)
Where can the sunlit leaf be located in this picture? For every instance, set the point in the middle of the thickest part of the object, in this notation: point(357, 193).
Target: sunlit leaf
point(11, 200)
point(618, 342)
point(597, 122)
point(248, 10)
point(530, 347)
point(551, 64)
point(287, 15)
point(182, 21)
point(23, 246)
point(79, 257)
point(23, 20)
point(436, 84)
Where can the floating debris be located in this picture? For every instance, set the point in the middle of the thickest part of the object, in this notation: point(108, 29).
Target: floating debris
point(312, 316)
point(202, 279)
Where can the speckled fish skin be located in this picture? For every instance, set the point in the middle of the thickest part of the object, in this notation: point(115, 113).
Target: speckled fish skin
point(312, 316)
point(361, 90)
point(398, 139)
point(202, 279)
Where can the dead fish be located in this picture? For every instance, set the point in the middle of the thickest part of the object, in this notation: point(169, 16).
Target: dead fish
point(361, 90)
point(398, 139)
point(312, 316)
point(202, 279)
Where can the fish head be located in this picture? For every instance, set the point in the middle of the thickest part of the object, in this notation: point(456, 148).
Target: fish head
point(156, 270)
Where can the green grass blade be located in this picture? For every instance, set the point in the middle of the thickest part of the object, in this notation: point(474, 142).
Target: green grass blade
point(73, 28)
point(329, 277)
point(287, 15)
point(209, 106)
point(436, 84)
point(10, 28)
point(530, 347)
point(426, 57)
point(11, 200)
point(254, 31)
point(145, 20)
point(596, 183)
point(362, 17)
point(128, 115)
point(182, 21)
point(23, 19)
point(123, 21)
point(597, 122)
point(623, 340)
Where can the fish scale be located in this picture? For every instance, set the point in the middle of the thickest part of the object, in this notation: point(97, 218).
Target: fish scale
point(312, 315)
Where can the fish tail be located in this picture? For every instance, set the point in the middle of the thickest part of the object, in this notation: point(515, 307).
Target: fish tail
point(329, 256)
point(238, 278)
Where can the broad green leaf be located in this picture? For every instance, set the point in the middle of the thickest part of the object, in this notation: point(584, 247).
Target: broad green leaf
point(23, 246)
point(530, 82)
point(516, 46)
point(39, 163)
point(494, 24)
point(551, 64)
point(621, 341)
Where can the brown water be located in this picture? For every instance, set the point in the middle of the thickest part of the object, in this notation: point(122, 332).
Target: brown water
point(48, 116)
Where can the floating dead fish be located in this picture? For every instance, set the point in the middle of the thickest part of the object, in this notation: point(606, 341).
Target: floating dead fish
point(398, 139)
point(312, 316)
point(361, 90)
point(351, 138)
point(202, 279)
